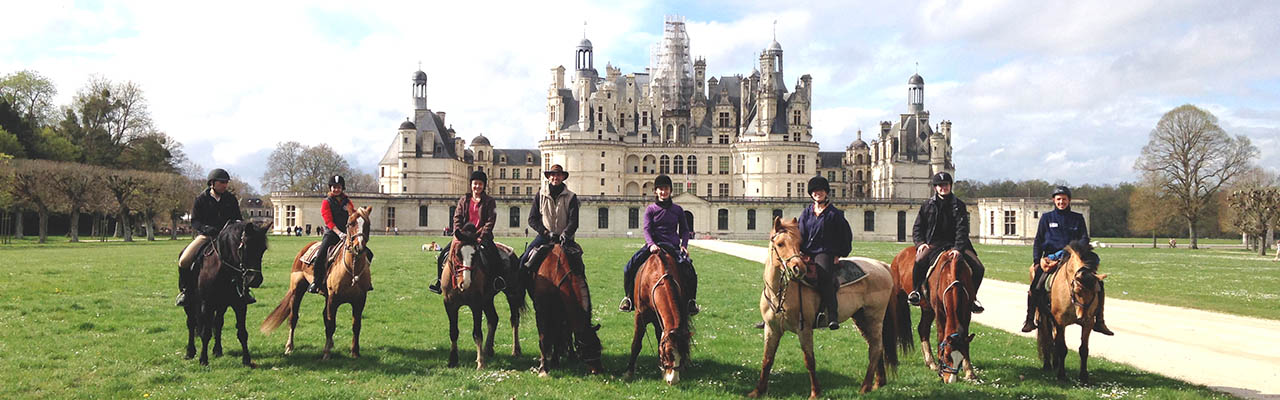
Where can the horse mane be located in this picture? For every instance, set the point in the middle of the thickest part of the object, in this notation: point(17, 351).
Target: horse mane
point(683, 335)
point(228, 239)
point(1082, 249)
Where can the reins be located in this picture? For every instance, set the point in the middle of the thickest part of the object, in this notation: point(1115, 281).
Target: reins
point(789, 274)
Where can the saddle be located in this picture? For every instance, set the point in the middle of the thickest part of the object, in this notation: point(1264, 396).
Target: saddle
point(847, 272)
point(1050, 268)
point(924, 288)
point(309, 257)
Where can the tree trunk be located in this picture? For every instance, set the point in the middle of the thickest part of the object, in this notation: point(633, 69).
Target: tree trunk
point(126, 228)
point(1271, 238)
point(151, 227)
point(1191, 225)
point(42, 213)
point(1153, 238)
point(173, 226)
point(17, 224)
point(75, 224)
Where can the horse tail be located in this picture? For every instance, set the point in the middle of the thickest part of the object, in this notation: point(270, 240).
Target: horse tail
point(515, 290)
point(889, 333)
point(901, 321)
point(282, 311)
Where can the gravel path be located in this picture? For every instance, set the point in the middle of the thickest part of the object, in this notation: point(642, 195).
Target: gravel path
point(1233, 354)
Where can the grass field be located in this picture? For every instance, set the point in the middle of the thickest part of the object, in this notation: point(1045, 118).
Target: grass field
point(1164, 241)
point(97, 320)
point(1221, 280)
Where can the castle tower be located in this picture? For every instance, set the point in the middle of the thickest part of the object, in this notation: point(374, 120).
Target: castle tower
point(419, 90)
point(915, 94)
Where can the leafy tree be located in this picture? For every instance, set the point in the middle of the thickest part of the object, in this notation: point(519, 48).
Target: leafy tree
point(31, 94)
point(9, 144)
point(1149, 211)
point(1192, 158)
point(53, 145)
point(28, 185)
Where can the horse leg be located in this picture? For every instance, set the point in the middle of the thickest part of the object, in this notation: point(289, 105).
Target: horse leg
point(771, 338)
point(452, 311)
point(637, 342)
point(1084, 354)
point(491, 315)
point(357, 315)
point(218, 318)
point(515, 328)
point(330, 324)
point(193, 329)
point(477, 335)
point(871, 331)
point(810, 363)
point(243, 334)
point(206, 332)
point(926, 319)
point(1060, 351)
point(298, 293)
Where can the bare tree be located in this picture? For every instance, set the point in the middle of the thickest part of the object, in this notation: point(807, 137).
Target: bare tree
point(29, 186)
point(1257, 210)
point(123, 187)
point(359, 182)
point(76, 184)
point(284, 168)
point(298, 168)
point(1148, 212)
point(1192, 158)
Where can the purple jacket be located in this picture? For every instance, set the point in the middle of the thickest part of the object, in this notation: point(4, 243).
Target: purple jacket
point(666, 225)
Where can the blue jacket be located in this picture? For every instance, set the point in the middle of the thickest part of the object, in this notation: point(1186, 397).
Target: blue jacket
point(1057, 229)
point(828, 233)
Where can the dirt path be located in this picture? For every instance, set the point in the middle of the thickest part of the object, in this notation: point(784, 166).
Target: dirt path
point(1233, 354)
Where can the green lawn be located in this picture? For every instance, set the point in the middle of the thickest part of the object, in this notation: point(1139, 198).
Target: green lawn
point(1229, 281)
point(1164, 241)
point(95, 320)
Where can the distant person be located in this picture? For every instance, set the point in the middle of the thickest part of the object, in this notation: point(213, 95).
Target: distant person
point(434, 246)
point(943, 225)
point(308, 229)
point(297, 231)
point(1277, 251)
point(1173, 243)
point(336, 209)
point(212, 210)
point(1058, 227)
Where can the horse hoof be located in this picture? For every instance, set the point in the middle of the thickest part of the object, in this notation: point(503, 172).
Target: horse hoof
point(217, 352)
point(543, 374)
point(204, 363)
point(324, 357)
point(628, 375)
point(479, 366)
point(754, 394)
point(516, 353)
point(355, 354)
point(251, 364)
point(288, 352)
point(452, 364)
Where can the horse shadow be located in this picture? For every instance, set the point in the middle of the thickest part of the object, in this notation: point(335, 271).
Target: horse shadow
point(390, 360)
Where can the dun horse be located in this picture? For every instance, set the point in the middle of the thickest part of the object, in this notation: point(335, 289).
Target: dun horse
point(950, 297)
point(560, 316)
point(465, 283)
point(232, 259)
point(347, 282)
point(787, 305)
point(1074, 299)
point(661, 302)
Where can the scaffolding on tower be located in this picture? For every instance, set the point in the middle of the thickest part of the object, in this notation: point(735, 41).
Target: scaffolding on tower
point(672, 66)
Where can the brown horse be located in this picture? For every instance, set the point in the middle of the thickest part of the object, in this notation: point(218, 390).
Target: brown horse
point(787, 305)
point(560, 316)
point(464, 282)
point(1074, 299)
point(234, 258)
point(949, 302)
point(664, 306)
point(347, 282)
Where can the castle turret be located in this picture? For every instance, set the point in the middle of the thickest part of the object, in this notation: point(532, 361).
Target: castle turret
point(419, 90)
point(915, 94)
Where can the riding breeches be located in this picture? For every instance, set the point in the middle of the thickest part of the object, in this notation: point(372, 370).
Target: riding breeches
point(923, 261)
point(189, 254)
point(827, 282)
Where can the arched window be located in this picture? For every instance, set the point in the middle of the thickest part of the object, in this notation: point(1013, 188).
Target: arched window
point(859, 159)
point(664, 165)
point(858, 176)
point(693, 167)
point(679, 167)
point(722, 219)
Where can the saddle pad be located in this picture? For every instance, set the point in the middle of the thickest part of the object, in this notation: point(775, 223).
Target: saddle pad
point(309, 257)
point(848, 271)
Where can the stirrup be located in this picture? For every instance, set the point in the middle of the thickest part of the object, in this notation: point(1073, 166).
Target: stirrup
point(977, 307)
point(434, 287)
point(181, 300)
point(625, 305)
point(499, 284)
point(694, 309)
point(914, 298)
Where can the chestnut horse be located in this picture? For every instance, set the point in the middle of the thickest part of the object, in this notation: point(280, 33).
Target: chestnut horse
point(347, 282)
point(1074, 299)
point(464, 282)
point(787, 305)
point(663, 305)
point(949, 301)
point(234, 258)
point(560, 316)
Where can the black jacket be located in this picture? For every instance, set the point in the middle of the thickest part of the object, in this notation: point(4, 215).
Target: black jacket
point(828, 233)
point(943, 221)
point(208, 216)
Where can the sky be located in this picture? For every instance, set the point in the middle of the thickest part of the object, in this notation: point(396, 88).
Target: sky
point(1064, 91)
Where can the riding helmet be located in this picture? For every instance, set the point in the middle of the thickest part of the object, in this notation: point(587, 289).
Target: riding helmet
point(662, 180)
point(817, 183)
point(1061, 190)
point(337, 180)
point(218, 174)
point(479, 175)
point(941, 178)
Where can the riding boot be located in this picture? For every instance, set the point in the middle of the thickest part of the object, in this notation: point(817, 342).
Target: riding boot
point(435, 287)
point(628, 286)
point(1030, 323)
point(1098, 325)
point(833, 307)
point(918, 272)
point(691, 281)
point(318, 273)
point(182, 287)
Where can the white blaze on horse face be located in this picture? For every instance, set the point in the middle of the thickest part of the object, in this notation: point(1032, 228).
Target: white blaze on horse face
point(671, 376)
point(466, 253)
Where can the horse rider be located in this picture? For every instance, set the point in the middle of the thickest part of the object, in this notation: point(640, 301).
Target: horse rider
point(665, 229)
point(825, 238)
point(1057, 229)
point(473, 222)
point(212, 210)
point(941, 225)
point(336, 209)
point(554, 218)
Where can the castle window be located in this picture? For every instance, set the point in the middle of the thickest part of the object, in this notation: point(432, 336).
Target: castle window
point(664, 165)
point(724, 165)
point(679, 167)
point(503, 159)
point(1010, 222)
point(800, 164)
point(795, 118)
point(868, 221)
point(391, 217)
point(724, 190)
point(788, 164)
point(382, 172)
point(602, 214)
point(751, 219)
point(502, 190)
point(724, 139)
point(831, 176)
point(693, 189)
point(723, 120)
point(722, 219)
point(800, 188)
point(290, 215)
point(788, 189)
point(529, 173)
point(858, 177)
point(515, 173)
point(633, 218)
point(422, 215)
point(777, 213)
point(406, 140)
point(679, 188)
point(601, 167)
point(514, 220)
point(693, 165)
point(502, 173)
point(644, 118)
point(644, 138)
point(709, 191)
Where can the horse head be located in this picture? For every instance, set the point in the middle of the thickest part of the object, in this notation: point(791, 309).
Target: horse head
point(587, 341)
point(1086, 281)
point(785, 261)
point(468, 254)
point(953, 288)
point(358, 230)
point(250, 243)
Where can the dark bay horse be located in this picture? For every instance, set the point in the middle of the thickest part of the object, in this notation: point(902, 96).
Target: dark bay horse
point(949, 301)
point(347, 282)
point(560, 316)
point(661, 302)
point(788, 305)
point(1074, 299)
point(234, 264)
point(464, 282)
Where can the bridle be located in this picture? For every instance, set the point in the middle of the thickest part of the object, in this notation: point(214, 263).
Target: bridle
point(788, 272)
point(945, 364)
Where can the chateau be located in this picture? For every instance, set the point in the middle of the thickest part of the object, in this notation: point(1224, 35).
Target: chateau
point(739, 149)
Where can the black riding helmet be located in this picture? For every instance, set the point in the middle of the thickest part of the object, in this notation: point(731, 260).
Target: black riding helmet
point(817, 183)
point(1061, 190)
point(218, 174)
point(337, 180)
point(941, 178)
point(480, 176)
point(662, 180)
